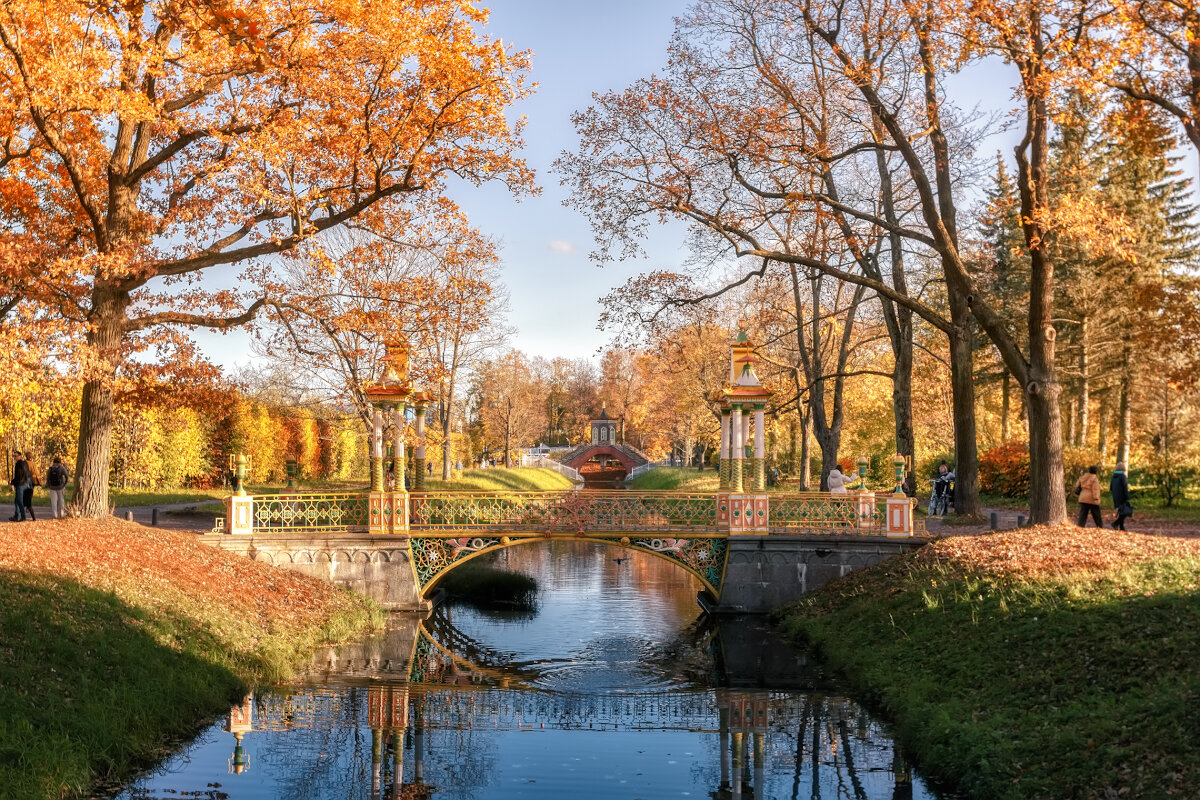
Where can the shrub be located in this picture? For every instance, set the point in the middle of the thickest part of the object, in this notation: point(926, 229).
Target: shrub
point(1004, 470)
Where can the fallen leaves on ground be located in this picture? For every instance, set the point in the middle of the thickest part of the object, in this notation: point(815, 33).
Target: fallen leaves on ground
point(1050, 551)
point(153, 567)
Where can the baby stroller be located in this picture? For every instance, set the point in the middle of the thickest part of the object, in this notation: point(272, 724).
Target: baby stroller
point(943, 495)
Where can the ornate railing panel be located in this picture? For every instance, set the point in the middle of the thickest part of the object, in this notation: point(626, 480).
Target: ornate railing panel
point(565, 511)
point(824, 511)
point(343, 511)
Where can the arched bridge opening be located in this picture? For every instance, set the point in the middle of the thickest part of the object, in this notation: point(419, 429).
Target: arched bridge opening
point(703, 556)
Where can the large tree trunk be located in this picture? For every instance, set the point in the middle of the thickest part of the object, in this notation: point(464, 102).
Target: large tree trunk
point(1102, 411)
point(906, 444)
point(962, 381)
point(94, 456)
point(1125, 423)
point(805, 454)
point(1085, 381)
point(1005, 403)
point(1047, 491)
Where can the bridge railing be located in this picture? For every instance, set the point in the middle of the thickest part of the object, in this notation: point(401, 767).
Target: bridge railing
point(826, 510)
point(570, 511)
point(333, 511)
point(565, 511)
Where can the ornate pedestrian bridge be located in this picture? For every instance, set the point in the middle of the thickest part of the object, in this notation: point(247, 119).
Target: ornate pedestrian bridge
point(751, 552)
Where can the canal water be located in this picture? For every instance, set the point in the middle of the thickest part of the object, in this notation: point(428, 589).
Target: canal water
point(615, 687)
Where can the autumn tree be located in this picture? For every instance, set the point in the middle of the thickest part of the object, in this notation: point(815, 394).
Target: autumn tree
point(338, 302)
point(1153, 56)
point(508, 403)
point(169, 140)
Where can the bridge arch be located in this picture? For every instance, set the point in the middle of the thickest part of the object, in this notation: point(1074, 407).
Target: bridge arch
point(702, 556)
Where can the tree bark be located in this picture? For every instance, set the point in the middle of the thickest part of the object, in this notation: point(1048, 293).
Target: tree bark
point(1126, 419)
point(962, 380)
point(1085, 383)
point(93, 457)
point(1005, 389)
point(1102, 412)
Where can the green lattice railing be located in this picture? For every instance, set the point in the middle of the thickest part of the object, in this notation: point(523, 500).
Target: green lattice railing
point(819, 510)
point(342, 511)
point(564, 511)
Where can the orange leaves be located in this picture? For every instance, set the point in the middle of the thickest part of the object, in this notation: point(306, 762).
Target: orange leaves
point(1049, 551)
point(154, 567)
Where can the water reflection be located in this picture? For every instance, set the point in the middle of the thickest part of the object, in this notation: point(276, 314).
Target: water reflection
point(615, 688)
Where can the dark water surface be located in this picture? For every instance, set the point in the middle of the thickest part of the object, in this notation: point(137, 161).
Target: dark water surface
point(616, 687)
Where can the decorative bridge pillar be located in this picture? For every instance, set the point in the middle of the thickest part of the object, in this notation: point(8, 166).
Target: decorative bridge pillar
point(864, 496)
point(388, 505)
point(899, 505)
point(745, 455)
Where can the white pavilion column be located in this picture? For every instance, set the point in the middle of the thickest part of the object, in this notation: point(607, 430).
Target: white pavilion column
point(376, 449)
point(760, 449)
point(398, 453)
point(419, 456)
point(735, 459)
point(747, 471)
point(723, 465)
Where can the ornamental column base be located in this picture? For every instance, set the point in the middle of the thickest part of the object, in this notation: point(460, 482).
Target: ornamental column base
point(388, 513)
point(743, 514)
point(239, 514)
point(758, 468)
point(900, 516)
point(723, 469)
point(418, 473)
point(376, 474)
point(736, 486)
point(865, 502)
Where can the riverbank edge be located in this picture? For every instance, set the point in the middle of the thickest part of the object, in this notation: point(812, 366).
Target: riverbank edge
point(111, 668)
point(1006, 679)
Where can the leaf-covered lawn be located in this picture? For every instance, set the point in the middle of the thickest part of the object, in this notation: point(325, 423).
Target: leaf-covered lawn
point(117, 639)
point(1049, 662)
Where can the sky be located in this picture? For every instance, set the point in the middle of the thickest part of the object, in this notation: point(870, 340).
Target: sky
point(554, 288)
point(580, 49)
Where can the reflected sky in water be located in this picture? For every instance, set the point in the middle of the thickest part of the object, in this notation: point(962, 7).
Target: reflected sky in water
point(615, 688)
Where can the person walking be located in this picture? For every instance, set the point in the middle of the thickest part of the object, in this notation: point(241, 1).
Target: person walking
point(35, 479)
point(56, 484)
point(21, 479)
point(1088, 490)
point(1118, 487)
point(836, 481)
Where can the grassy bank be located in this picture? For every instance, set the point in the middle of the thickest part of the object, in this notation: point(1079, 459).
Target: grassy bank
point(1044, 663)
point(676, 479)
point(503, 480)
point(117, 640)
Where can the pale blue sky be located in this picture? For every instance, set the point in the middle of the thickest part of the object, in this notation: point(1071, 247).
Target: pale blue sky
point(582, 48)
point(579, 48)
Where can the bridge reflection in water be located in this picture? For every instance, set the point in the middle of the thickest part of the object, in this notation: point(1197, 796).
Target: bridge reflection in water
point(403, 716)
point(615, 687)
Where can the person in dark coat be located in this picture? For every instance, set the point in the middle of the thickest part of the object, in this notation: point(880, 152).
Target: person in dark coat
point(22, 479)
point(1118, 486)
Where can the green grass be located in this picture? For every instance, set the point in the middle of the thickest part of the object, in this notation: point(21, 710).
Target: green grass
point(96, 688)
point(1072, 687)
point(676, 479)
point(503, 480)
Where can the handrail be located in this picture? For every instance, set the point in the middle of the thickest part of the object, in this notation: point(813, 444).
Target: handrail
point(569, 510)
